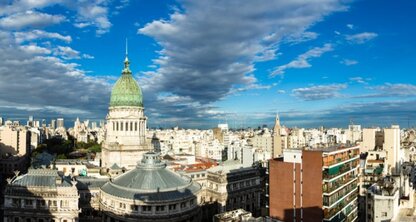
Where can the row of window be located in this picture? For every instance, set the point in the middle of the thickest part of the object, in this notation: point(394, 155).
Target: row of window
point(125, 126)
point(159, 208)
point(18, 219)
point(39, 203)
point(197, 175)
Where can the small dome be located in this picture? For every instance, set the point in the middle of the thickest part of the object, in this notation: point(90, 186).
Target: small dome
point(126, 91)
point(151, 181)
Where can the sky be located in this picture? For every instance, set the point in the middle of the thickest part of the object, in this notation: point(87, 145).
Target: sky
point(199, 63)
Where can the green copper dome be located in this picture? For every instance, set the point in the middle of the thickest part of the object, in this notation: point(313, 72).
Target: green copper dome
point(126, 91)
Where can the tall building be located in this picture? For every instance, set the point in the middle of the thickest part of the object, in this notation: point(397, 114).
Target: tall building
point(369, 140)
point(60, 123)
point(277, 139)
point(125, 141)
point(53, 123)
point(392, 147)
point(314, 185)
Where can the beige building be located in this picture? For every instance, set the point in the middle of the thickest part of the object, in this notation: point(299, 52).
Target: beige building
point(369, 140)
point(231, 186)
point(392, 147)
point(277, 139)
point(41, 195)
point(15, 140)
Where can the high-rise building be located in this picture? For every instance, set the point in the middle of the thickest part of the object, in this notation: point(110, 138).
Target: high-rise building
point(314, 185)
point(125, 141)
point(392, 147)
point(53, 123)
point(60, 123)
point(277, 139)
point(369, 140)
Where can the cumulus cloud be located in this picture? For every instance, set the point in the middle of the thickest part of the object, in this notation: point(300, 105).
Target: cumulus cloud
point(302, 61)
point(398, 89)
point(35, 81)
point(301, 37)
point(40, 34)
point(361, 38)
point(209, 48)
point(19, 14)
point(319, 92)
point(29, 18)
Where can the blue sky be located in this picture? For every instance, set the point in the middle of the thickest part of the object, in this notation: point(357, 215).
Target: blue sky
point(200, 63)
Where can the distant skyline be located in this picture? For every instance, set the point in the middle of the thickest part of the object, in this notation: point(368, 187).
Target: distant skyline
point(200, 63)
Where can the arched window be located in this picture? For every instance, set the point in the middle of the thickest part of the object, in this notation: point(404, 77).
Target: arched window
point(121, 126)
point(127, 126)
point(131, 126)
point(135, 126)
point(116, 126)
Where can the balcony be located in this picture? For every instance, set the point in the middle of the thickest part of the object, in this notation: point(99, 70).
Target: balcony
point(334, 200)
point(335, 159)
point(330, 187)
point(336, 172)
point(350, 202)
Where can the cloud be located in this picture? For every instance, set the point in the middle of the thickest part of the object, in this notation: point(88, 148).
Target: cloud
point(40, 34)
point(360, 80)
point(301, 37)
point(27, 13)
point(34, 49)
point(209, 48)
point(349, 62)
point(92, 13)
point(319, 92)
point(350, 26)
point(367, 114)
point(29, 19)
point(34, 81)
point(398, 89)
point(302, 61)
point(67, 52)
point(361, 38)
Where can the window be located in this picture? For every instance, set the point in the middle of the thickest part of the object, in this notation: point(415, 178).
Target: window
point(192, 202)
point(384, 214)
point(146, 208)
point(116, 126)
point(160, 208)
point(121, 126)
point(135, 126)
point(65, 203)
point(131, 126)
point(28, 202)
point(127, 126)
point(172, 207)
point(183, 204)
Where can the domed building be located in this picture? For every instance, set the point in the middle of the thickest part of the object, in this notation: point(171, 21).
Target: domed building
point(125, 139)
point(150, 192)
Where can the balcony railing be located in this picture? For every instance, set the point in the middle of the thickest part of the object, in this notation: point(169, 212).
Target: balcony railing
point(328, 174)
point(328, 201)
point(332, 186)
point(329, 213)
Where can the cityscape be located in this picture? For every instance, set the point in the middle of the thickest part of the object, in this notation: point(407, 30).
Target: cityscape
point(211, 110)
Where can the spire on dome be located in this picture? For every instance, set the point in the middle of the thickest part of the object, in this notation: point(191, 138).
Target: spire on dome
point(126, 69)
